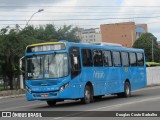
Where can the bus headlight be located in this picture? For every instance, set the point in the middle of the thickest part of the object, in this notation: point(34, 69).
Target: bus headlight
point(63, 87)
point(28, 89)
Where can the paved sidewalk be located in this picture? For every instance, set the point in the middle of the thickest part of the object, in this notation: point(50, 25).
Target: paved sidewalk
point(12, 93)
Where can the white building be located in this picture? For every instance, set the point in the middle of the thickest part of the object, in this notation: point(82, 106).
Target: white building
point(89, 35)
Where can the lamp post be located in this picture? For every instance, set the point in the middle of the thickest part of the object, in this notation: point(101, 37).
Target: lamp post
point(152, 52)
point(40, 10)
point(20, 60)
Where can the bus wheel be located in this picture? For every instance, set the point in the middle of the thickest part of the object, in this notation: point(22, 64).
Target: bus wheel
point(87, 95)
point(127, 91)
point(51, 103)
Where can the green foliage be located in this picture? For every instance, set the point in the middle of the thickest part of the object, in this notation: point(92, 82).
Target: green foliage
point(145, 42)
point(14, 41)
point(150, 64)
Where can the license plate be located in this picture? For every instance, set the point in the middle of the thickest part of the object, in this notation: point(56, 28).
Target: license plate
point(44, 95)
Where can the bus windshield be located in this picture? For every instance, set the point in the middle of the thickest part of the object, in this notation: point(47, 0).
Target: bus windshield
point(47, 66)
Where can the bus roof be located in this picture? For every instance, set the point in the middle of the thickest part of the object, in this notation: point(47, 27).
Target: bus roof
point(110, 46)
point(100, 46)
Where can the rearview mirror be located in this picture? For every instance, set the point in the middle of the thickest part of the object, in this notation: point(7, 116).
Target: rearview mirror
point(21, 63)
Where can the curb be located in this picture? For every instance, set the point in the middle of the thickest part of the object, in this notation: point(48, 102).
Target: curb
point(13, 96)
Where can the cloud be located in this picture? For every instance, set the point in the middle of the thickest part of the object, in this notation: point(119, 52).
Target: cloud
point(101, 10)
point(147, 8)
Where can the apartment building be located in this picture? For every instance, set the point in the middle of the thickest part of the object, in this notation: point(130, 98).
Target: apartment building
point(89, 35)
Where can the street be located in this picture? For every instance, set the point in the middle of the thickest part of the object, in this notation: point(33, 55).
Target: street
point(146, 99)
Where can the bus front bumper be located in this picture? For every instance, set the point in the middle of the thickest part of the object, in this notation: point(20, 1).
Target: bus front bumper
point(55, 95)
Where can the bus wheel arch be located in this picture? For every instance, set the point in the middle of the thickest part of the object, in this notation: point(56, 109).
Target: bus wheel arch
point(88, 89)
point(127, 89)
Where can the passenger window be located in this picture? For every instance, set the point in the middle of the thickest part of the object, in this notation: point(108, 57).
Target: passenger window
point(116, 58)
point(140, 59)
point(107, 58)
point(87, 57)
point(132, 57)
point(125, 58)
point(75, 61)
point(97, 56)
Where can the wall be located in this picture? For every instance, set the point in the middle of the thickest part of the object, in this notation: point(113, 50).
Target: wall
point(153, 75)
point(121, 33)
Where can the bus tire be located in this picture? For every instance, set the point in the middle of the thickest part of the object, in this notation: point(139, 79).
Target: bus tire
point(87, 95)
point(127, 91)
point(51, 103)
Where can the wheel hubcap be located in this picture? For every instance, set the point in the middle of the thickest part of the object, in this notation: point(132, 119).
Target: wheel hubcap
point(87, 95)
point(127, 90)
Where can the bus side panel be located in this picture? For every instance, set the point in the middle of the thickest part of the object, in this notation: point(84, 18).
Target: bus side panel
point(97, 76)
point(99, 80)
point(140, 78)
point(125, 75)
point(133, 80)
point(86, 76)
point(113, 80)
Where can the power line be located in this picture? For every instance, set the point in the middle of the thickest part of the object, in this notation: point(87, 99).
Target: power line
point(80, 25)
point(88, 19)
point(78, 6)
point(90, 15)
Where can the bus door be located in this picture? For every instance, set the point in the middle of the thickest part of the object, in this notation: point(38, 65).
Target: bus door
point(75, 71)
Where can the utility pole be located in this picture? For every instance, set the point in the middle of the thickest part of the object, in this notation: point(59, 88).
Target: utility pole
point(20, 60)
point(152, 52)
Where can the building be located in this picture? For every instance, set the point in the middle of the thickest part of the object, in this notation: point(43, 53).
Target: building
point(89, 35)
point(122, 33)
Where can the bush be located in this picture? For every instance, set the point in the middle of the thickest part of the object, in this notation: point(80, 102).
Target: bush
point(151, 64)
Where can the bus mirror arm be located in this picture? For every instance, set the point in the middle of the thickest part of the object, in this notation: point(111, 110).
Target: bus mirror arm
point(20, 64)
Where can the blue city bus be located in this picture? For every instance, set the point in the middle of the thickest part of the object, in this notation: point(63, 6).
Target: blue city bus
point(58, 71)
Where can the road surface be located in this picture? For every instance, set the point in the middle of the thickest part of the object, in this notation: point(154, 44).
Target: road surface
point(146, 99)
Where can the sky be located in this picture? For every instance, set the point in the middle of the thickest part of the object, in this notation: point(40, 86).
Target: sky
point(80, 13)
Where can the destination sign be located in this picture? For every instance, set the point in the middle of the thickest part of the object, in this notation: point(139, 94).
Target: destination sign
point(46, 47)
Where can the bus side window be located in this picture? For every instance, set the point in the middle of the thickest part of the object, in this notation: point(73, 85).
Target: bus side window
point(107, 60)
point(97, 57)
point(140, 59)
point(125, 58)
point(133, 60)
point(116, 58)
point(75, 61)
point(87, 57)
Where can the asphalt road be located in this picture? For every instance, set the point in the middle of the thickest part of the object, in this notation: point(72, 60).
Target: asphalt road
point(146, 99)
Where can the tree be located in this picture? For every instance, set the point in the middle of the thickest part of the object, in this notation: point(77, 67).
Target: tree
point(145, 42)
point(13, 43)
point(11, 49)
